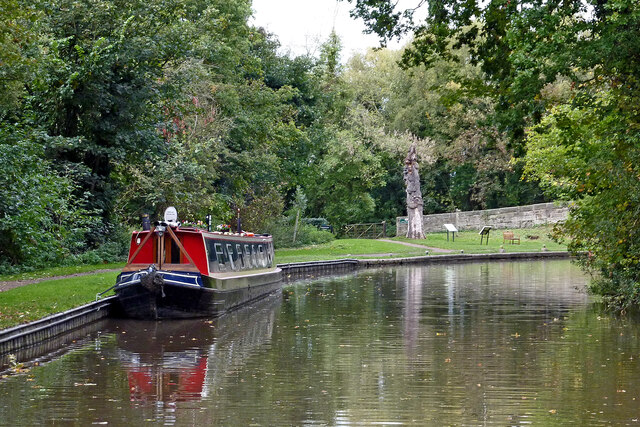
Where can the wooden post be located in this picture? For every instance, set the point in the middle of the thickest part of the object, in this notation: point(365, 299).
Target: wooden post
point(414, 195)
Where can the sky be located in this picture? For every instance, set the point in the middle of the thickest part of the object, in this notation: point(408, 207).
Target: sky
point(303, 25)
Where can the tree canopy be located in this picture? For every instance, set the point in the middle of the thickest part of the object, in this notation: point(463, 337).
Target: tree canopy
point(128, 108)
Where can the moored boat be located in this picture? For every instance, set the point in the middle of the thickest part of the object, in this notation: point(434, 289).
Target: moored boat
point(182, 272)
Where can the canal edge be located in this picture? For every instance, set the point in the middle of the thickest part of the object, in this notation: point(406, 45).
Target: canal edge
point(38, 331)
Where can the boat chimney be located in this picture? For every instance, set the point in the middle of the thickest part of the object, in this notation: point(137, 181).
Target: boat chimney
point(208, 218)
point(239, 228)
point(146, 223)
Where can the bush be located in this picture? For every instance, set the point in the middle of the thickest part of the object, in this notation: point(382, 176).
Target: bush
point(316, 222)
point(282, 232)
point(108, 252)
point(43, 222)
point(391, 228)
point(113, 250)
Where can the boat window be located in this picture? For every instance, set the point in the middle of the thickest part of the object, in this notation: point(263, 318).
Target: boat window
point(240, 255)
point(211, 251)
point(269, 254)
point(232, 256)
point(247, 254)
point(211, 255)
point(265, 255)
point(254, 256)
point(262, 258)
point(221, 256)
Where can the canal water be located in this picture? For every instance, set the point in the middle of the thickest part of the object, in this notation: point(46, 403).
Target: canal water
point(509, 343)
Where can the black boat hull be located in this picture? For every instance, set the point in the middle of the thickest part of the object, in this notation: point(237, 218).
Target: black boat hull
point(175, 301)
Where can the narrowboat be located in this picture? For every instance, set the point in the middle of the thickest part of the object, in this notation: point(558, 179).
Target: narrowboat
point(183, 272)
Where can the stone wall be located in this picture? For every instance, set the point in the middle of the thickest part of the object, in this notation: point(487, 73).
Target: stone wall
point(501, 218)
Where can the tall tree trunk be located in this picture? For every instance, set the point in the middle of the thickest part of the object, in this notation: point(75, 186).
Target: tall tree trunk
point(295, 227)
point(414, 195)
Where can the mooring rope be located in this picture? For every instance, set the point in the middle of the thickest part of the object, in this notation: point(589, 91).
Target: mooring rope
point(102, 293)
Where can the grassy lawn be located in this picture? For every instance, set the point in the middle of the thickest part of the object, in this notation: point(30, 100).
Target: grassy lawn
point(37, 300)
point(59, 271)
point(345, 248)
point(469, 241)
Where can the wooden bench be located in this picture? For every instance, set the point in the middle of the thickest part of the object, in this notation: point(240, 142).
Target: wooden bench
point(509, 236)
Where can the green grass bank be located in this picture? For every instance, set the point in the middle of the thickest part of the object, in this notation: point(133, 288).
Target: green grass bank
point(37, 300)
point(60, 271)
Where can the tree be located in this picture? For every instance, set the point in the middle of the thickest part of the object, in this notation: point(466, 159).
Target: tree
point(124, 102)
point(299, 206)
point(17, 53)
point(588, 153)
point(520, 45)
point(346, 174)
point(42, 222)
point(414, 195)
point(106, 82)
point(472, 168)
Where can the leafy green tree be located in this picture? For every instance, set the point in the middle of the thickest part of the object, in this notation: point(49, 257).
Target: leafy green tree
point(42, 223)
point(329, 63)
point(588, 153)
point(259, 211)
point(520, 45)
point(184, 168)
point(347, 172)
point(472, 168)
point(106, 83)
point(17, 52)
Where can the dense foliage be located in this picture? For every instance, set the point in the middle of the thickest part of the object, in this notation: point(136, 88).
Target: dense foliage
point(111, 109)
point(564, 78)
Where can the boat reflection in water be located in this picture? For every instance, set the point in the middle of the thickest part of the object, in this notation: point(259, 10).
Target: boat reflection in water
point(177, 377)
point(181, 360)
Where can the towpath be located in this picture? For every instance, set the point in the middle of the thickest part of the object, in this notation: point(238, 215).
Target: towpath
point(416, 245)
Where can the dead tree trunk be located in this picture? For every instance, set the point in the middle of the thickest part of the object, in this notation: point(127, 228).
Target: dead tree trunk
point(414, 195)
